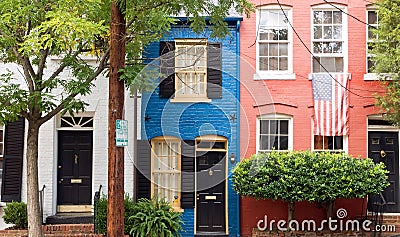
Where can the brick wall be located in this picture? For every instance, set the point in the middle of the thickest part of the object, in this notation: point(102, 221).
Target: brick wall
point(294, 97)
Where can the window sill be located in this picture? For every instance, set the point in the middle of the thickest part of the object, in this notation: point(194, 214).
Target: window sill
point(190, 100)
point(178, 209)
point(274, 76)
point(371, 77)
point(311, 74)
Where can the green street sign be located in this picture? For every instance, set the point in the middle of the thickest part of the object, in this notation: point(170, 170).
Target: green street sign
point(121, 133)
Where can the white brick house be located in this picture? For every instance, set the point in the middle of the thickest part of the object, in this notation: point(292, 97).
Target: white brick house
point(93, 123)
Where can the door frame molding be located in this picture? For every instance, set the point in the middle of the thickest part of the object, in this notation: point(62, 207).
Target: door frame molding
point(211, 138)
point(382, 128)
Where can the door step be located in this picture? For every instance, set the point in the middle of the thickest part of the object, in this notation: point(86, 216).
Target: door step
point(70, 218)
point(210, 234)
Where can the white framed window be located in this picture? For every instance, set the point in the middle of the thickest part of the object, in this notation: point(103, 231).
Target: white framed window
point(274, 133)
point(274, 43)
point(329, 40)
point(372, 20)
point(166, 169)
point(191, 69)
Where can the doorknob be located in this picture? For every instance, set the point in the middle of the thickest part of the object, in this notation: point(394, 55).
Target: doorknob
point(383, 153)
point(61, 180)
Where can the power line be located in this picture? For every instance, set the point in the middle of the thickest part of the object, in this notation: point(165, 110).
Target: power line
point(311, 53)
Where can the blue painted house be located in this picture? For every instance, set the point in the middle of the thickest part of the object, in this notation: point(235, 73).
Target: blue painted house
point(190, 133)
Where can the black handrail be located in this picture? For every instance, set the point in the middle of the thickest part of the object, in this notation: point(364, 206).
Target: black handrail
point(41, 201)
point(95, 202)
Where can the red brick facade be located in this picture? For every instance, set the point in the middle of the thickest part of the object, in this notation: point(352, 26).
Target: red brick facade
point(294, 98)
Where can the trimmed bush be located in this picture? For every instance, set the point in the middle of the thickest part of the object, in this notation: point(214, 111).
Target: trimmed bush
point(16, 213)
point(155, 218)
point(308, 176)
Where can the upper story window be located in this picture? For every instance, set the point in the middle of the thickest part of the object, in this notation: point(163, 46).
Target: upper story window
point(274, 132)
point(329, 44)
point(191, 70)
point(274, 42)
point(372, 20)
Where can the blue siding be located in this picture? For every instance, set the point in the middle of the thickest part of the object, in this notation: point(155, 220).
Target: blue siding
point(190, 120)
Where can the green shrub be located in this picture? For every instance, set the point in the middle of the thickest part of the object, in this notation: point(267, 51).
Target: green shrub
point(101, 217)
point(155, 218)
point(308, 176)
point(16, 213)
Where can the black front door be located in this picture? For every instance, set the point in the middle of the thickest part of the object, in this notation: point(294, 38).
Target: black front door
point(210, 192)
point(383, 147)
point(74, 167)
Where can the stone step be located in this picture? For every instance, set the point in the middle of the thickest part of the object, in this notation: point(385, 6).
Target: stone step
point(69, 228)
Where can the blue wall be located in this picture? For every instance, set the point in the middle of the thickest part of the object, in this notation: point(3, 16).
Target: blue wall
point(190, 120)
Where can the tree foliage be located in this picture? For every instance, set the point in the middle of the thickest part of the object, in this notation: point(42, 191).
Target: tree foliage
point(308, 176)
point(387, 56)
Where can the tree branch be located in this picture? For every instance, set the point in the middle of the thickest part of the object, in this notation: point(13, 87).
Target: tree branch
point(28, 70)
point(42, 63)
point(100, 69)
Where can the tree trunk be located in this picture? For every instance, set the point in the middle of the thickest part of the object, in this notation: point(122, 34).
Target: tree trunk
point(290, 210)
point(34, 218)
point(115, 205)
point(329, 207)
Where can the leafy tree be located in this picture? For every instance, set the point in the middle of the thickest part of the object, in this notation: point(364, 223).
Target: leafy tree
point(33, 31)
point(306, 176)
point(387, 56)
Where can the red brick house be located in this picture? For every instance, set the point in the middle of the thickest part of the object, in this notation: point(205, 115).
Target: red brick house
point(284, 45)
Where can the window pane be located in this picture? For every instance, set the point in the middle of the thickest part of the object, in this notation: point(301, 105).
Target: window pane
point(317, 47)
point(316, 64)
point(327, 17)
point(273, 127)
point(263, 63)
point(284, 145)
point(337, 32)
point(273, 49)
point(327, 32)
point(336, 47)
point(273, 143)
point(372, 17)
point(284, 127)
point(273, 63)
point(338, 143)
point(337, 17)
point(328, 63)
point(317, 32)
point(1, 135)
point(327, 47)
point(371, 35)
point(283, 49)
point(264, 126)
point(318, 142)
point(263, 142)
point(339, 64)
point(263, 49)
point(283, 63)
point(283, 34)
point(318, 16)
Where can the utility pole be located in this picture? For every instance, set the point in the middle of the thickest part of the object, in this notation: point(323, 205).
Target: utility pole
point(115, 206)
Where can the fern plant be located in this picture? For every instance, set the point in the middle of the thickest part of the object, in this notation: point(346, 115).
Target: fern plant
point(155, 218)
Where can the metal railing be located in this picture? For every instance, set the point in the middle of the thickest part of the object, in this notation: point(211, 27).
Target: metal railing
point(95, 202)
point(377, 204)
point(41, 202)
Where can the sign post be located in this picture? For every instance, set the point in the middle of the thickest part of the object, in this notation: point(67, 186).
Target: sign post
point(121, 133)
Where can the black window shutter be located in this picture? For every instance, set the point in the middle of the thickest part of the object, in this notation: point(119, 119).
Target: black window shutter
point(187, 171)
point(12, 161)
point(167, 69)
point(214, 71)
point(143, 169)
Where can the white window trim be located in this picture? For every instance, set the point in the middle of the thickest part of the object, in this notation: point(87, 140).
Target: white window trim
point(345, 39)
point(277, 117)
point(191, 98)
point(368, 76)
point(275, 75)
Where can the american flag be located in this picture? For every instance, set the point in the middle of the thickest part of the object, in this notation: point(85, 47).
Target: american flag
point(331, 104)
